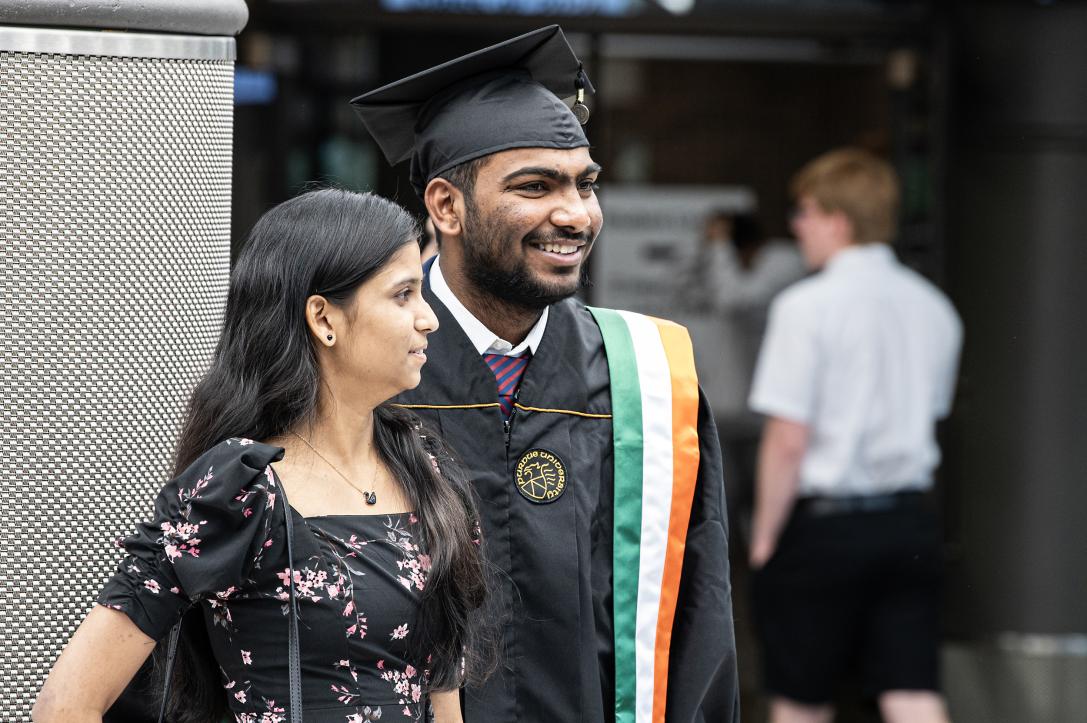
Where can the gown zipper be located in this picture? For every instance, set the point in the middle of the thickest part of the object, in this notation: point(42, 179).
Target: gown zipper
point(507, 424)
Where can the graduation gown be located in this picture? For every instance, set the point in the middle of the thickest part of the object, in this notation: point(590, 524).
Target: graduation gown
point(553, 560)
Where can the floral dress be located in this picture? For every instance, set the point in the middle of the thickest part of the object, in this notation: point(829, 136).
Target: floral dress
point(218, 540)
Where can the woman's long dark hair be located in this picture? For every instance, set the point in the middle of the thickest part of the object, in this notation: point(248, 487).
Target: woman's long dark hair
point(264, 381)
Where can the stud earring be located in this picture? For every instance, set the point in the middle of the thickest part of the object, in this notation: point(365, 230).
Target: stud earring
point(329, 337)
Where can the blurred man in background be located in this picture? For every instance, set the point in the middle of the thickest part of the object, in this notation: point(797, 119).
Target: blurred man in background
point(858, 363)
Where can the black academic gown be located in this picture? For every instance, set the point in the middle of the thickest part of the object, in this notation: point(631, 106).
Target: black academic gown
point(554, 561)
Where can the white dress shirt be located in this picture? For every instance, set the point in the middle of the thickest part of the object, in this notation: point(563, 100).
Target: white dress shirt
point(483, 339)
point(865, 354)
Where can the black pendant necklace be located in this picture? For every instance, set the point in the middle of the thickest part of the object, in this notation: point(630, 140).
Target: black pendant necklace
point(369, 496)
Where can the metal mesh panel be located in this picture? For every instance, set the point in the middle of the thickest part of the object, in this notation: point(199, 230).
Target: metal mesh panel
point(114, 225)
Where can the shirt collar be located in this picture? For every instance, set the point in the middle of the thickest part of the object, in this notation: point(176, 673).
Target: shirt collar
point(483, 339)
point(861, 255)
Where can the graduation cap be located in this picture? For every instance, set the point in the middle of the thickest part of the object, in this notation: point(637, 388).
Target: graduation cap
point(505, 96)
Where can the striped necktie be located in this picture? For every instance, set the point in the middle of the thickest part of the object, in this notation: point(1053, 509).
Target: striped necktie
point(507, 372)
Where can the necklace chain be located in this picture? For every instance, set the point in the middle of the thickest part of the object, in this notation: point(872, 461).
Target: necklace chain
point(370, 496)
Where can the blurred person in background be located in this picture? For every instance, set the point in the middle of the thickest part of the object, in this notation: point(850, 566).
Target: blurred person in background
point(735, 275)
point(858, 364)
point(520, 385)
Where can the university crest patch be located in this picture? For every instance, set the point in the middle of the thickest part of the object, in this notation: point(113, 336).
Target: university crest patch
point(540, 476)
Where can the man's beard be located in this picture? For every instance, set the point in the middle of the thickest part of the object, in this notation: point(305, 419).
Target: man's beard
point(484, 244)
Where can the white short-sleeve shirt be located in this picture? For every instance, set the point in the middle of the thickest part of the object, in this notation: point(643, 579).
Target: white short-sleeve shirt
point(865, 354)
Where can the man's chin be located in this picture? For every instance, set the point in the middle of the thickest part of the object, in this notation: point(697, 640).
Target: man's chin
point(551, 291)
point(527, 289)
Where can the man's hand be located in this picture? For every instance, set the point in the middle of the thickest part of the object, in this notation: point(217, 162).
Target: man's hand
point(761, 552)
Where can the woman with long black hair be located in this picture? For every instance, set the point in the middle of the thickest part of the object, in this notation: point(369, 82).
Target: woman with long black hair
point(324, 323)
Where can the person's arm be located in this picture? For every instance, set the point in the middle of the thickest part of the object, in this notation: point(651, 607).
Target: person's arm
point(446, 705)
point(210, 527)
point(731, 287)
point(99, 661)
point(782, 450)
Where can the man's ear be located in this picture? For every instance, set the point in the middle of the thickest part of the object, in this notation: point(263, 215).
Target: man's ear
point(844, 227)
point(445, 204)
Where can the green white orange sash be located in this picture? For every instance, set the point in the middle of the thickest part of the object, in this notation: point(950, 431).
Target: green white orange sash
point(654, 393)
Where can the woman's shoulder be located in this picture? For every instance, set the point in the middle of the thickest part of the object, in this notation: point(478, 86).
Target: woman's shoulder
point(245, 454)
point(233, 464)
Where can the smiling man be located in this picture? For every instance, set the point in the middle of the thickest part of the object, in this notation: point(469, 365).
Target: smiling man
point(583, 430)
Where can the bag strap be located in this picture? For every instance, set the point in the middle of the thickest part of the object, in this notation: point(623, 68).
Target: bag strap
point(294, 667)
point(171, 652)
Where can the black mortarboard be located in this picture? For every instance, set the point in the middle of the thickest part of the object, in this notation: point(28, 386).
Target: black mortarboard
point(505, 96)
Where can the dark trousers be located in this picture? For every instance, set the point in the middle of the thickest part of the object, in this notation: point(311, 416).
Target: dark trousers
point(851, 592)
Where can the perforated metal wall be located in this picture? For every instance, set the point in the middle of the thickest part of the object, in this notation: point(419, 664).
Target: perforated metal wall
point(114, 223)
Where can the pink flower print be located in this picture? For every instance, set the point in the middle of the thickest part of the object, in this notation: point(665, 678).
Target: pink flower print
point(412, 519)
point(409, 671)
point(247, 512)
point(242, 441)
point(360, 627)
point(180, 539)
point(175, 590)
point(400, 633)
point(185, 496)
point(220, 612)
point(367, 714)
point(152, 585)
point(240, 695)
point(306, 582)
point(247, 657)
point(416, 693)
point(342, 693)
point(407, 711)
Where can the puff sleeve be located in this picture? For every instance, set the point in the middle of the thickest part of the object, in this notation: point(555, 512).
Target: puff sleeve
point(211, 528)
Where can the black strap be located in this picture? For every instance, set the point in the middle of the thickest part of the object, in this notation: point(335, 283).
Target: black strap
point(294, 667)
point(171, 652)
